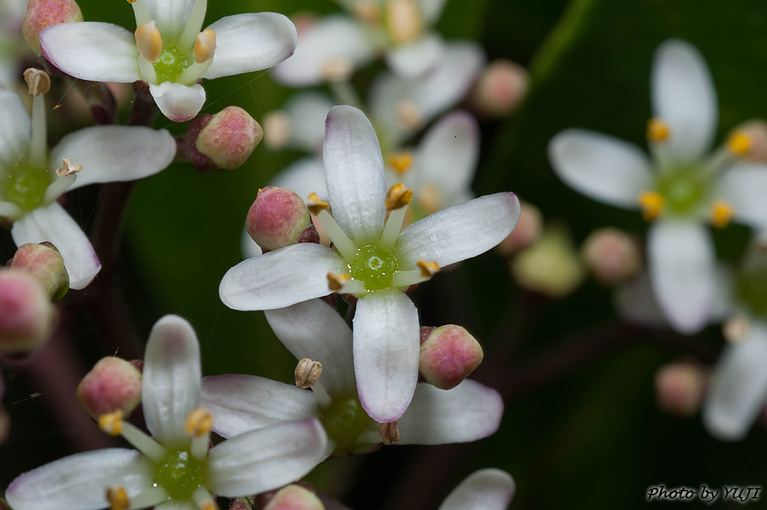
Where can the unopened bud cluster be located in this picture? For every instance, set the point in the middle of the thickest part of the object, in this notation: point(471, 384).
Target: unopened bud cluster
point(448, 355)
point(42, 14)
point(223, 141)
point(279, 218)
point(112, 385)
point(500, 88)
point(611, 255)
point(44, 262)
point(27, 316)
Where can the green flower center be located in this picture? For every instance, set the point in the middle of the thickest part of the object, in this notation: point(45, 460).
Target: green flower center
point(171, 64)
point(683, 189)
point(26, 186)
point(751, 290)
point(374, 267)
point(344, 421)
point(180, 474)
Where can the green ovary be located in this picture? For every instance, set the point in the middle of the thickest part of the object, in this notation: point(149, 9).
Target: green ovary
point(751, 290)
point(26, 186)
point(683, 189)
point(171, 64)
point(374, 267)
point(344, 421)
point(180, 474)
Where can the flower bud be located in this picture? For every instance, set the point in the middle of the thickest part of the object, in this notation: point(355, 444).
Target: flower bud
point(42, 14)
point(112, 384)
point(679, 388)
point(27, 316)
point(45, 263)
point(294, 497)
point(500, 88)
point(756, 131)
point(551, 266)
point(223, 141)
point(448, 355)
point(278, 218)
point(525, 233)
point(612, 255)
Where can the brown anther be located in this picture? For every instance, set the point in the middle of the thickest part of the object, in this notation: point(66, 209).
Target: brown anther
point(389, 432)
point(367, 11)
point(315, 204)
point(148, 41)
point(38, 81)
point(428, 269)
point(118, 498)
point(336, 69)
point(204, 46)
point(401, 161)
point(307, 373)
point(337, 281)
point(198, 423)
point(398, 197)
point(658, 130)
point(736, 328)
point(68, 168)
point(410, 115)
point(404, 20)
point(112, 423)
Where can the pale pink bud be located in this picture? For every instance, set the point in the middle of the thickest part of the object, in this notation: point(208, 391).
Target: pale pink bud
point(551, 266)
point(279, 218)
point(526, 231)
point(679, 388)
point(27, 316)
point(223, 141)
point(613, 256)
point(448, 355)
point(112, 384)
point(42, 14)
point(45, 263)
point(500, 88)
point(294, 497)
point(756, 133)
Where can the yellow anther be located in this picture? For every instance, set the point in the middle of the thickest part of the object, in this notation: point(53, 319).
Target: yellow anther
point(658, 130)
point(736, 328)
point(118, 498)
point(337, 281)
point(389, 432)
point(209, 505)
point(367, 11)
point(401, 161)
point(112, 423)
point(651, 204)
point(198, 423)
point(404, 20)
point(149, 41)
point(38, 81)
point(307, 373)
point(315, 204)
point(721, 213)
point(739, 143)
point(68, 168)
point(132, 1)
point(410, 115)
point(428, 269)
point(204, 46)
point(336, 69)
point(398, 197)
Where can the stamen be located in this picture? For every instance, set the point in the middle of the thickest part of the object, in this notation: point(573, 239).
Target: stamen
point(341, 241)
point(315, 204)
point(39, 83)
point(389, 432)
point(410, 115)
point(112, 423)
point(367, 11)
point(68, 168)
point(151, 496)
point(307, 373)
point(399, 196)
point(194, 72)
point(401, 161)
point(736, 328)
point(141, 441)
point(203, 499)
point(342, 284)
point(404, 19)
point(428, 269)
point(198, 423)
point(739, 143)
point(204, 46)
point(397, 200)
point(404, 279)
point(721, 213)
point(140, 12)
point(658, 130)
point(118, 498)
point(148, 41)
point(193, 26)
point(336, 69)
point(148, 72)
point(651, 204)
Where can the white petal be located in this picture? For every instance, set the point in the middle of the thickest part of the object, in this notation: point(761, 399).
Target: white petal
point(170, 388)
point(178, 102)
point(738, 387)
point(314, 330)
point(170, 15)
point(80, 482)
point(52, 223)
point(354, 173)
point(305, 176)
point(92, 51)
point(601, 167)
point(240, 403)
point(280, 278)
point(683, 95)
point(267, 458)
point(487, 489)
point(10, 210)
point(743, 187)
point(14, 130)
point(307, 112)
point(115, 153)
point(251, 42)
point(334, 37)
point(249, 247)
point(431, 10)
point(459, 232)
point(386, 352)
point(682, 271)
point(415, 59)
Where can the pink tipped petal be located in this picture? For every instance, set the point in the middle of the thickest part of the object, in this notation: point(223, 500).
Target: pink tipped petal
point(251, 42)
point(178, 102)
point(14, 130)
point(386, 350)
point(738, 387)
point(743, 187)
point(264, 459)
point(307, 113)
point(601, 167)
point(355, 174)
point(52, 223)
point(683, 95)
point(682, 271)
point(240, 403)
point(280, 278)
point(314, 330)
point(459, 232)
point(171, 378)
point(133, 153)
point(417, 58)
point(487, 489)
point(305, 176)
point(92, 51)
point(79, 482)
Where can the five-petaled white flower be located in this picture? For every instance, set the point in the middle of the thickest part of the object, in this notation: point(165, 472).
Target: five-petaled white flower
point(174, 469)
point(168, 50)
point(680, 189)
point(371, 259)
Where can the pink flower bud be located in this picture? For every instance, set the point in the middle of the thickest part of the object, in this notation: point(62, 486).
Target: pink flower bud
point(500, 88)
point(756, 131)
point(27, 316)
point(112, 384)
point(279, 218)
point(448, 355)
point(294, 497)
point(679, 388)
point(525, 233)
point(45, 263)
point(42, 14)
point(613, 256)
point(223, 141)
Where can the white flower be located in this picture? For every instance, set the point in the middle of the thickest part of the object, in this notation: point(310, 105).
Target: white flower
point(32, 185)
point(680, 189)
point(168, 50)
point(314, 330)
point(371, 260)
point(174, 469)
